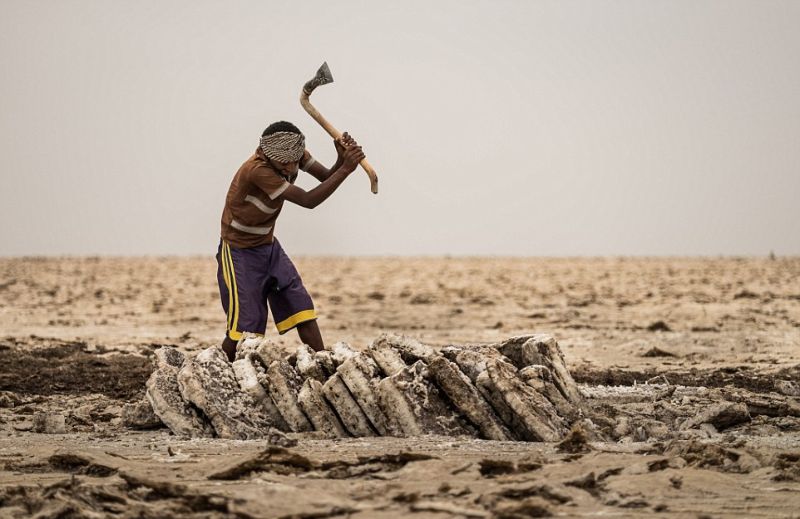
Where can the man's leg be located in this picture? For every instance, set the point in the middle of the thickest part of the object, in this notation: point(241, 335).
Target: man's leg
point(291, 303)
point(229, 347)
point(241, 286)
point(310, 335)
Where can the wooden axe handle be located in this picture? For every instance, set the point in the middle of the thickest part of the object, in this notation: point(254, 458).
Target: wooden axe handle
point(336, 134)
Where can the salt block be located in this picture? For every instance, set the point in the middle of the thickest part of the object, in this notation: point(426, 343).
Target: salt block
point(394, 402)
point(494, 397)
point(249, 379)
point(49, 423)
point(164, 395)
point(519, 356)
point(284, 384)
point(411, 350)
point(259, 349)
point(140, 415)
point(534, 417)
point(360, 378)
point(465, 398)
point(386, 355)
point(208, 382)
point(433, 415)
point(341, 352)
point(318, 411)
point(351, 414)
point(307, 364)
point(541, 379)
point(554, 361)
point(542, 349)
point(472, 362)
point(535, 376)
point(326, 363)
point(168, 356)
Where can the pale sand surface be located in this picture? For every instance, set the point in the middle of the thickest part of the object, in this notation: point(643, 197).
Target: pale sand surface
point(76, 334)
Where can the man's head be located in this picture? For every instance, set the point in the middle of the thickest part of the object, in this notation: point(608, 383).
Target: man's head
point(283, 144)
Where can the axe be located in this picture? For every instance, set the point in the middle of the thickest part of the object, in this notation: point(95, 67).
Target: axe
point(324, 77)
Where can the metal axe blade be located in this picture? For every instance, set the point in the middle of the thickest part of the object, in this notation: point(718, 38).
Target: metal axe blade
point(323, 77)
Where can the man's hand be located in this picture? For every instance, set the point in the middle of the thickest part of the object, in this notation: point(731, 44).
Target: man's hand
point(352, 156)
point(341, 144)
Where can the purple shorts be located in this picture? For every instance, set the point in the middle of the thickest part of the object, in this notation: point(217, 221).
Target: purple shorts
point(251, 278)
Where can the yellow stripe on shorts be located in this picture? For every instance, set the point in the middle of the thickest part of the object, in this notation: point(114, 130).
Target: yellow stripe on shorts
point(294, 320)
point(227, 277)
point(235, 292)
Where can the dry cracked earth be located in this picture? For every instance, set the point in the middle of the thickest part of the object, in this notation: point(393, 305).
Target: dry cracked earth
point(689, 370)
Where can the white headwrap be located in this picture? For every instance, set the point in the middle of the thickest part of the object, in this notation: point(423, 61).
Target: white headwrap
point(283, 146)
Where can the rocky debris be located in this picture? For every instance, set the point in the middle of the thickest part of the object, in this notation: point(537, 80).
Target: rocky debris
point(273, 459)
point(711, 455)
point(49, 423)
point(658, 326)
point(788, 387)
point(768, 404)
point(721, 416)
point(248, 372)
point(285, 462)
point(657, 352)
point(140, 415)
point(529, 507)
point(519, 389)
point(320, 414)
point(166, 400)
point(577, 441)
point(353, 418)
point(208, 382)
point(284, 385)
point(8, 399)
point(83, 463)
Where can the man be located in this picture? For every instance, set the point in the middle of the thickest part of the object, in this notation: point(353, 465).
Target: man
point(253, 270)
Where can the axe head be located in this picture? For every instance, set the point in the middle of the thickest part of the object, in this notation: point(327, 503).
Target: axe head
point(323, 77)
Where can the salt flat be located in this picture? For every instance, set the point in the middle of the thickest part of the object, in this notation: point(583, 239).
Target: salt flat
point(77, 334)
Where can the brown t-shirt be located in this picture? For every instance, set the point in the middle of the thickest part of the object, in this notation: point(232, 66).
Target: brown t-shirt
point(254, 201)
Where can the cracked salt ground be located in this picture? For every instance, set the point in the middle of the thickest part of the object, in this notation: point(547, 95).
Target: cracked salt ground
point(519, 389)
point(80, 333)
point(627, 450)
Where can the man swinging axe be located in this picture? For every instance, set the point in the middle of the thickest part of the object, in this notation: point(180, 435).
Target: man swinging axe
point(253, 270)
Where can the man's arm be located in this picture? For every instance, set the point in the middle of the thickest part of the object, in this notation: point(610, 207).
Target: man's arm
point(320, 172)
point(311, 199)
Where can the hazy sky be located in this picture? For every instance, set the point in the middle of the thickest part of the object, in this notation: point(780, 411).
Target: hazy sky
point(496, 127)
